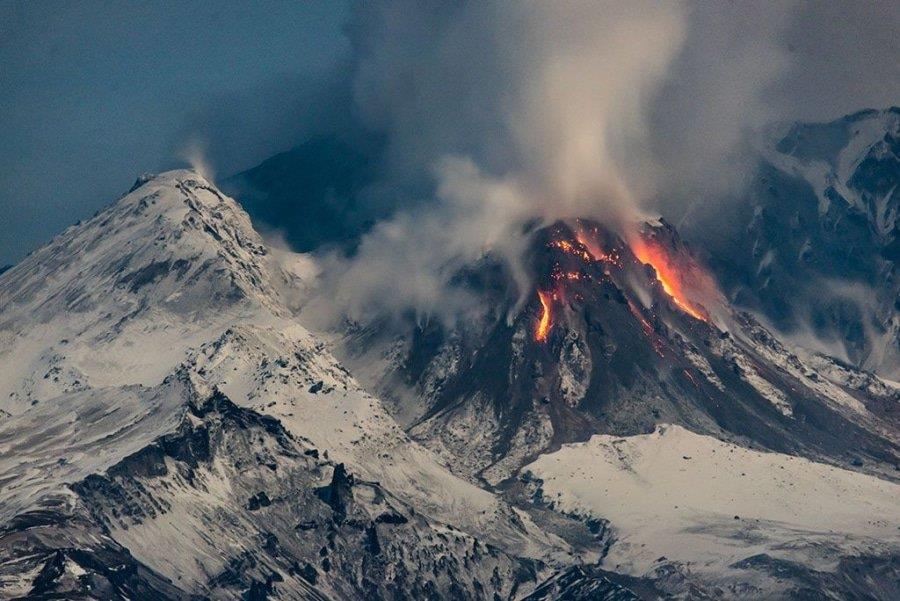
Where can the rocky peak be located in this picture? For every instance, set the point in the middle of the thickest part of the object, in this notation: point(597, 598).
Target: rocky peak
point(174, 242)
point(339, 493)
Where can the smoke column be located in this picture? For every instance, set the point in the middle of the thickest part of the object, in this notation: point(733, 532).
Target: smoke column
point(512, 112)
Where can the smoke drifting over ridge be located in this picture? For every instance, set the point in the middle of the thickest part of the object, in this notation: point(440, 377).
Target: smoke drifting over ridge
point(516, 113)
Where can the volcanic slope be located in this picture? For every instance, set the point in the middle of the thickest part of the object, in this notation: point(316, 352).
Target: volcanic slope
point(616, 337)
point(630, 394)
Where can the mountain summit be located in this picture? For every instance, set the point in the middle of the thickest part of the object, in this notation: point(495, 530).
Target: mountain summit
point(813, 244)
point(167, 427)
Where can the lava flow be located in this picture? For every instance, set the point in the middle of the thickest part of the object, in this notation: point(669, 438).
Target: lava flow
point(666, 274)
point(546, 321)
point(588, 239)
point(586, 247)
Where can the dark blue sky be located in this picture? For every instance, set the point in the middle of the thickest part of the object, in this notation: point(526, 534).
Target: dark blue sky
point(94, 93)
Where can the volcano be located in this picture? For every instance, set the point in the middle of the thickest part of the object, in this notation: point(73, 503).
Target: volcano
point(617, 337)
point(626, 338)
point(170, 428)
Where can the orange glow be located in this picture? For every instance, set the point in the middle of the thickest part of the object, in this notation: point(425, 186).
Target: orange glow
point(572, 276)
point(569, 248)
point(648, 330)
point(588, 241)
point(543, 326)
point(666, 274)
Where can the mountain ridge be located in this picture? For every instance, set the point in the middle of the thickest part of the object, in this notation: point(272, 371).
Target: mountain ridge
point(811, 244)
point(83, 373)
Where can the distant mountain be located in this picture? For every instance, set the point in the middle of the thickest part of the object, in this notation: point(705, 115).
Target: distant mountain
point(310, 194)
point(813, 246)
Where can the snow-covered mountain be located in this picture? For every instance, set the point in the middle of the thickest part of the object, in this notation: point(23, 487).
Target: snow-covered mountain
point(171, 430)
point(813, 244)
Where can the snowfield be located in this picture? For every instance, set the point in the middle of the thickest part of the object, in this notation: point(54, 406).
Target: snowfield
point(707, 504)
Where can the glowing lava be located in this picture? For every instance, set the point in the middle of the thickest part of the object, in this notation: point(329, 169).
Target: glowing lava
point(546, 321)
point(569, 248)
point(588, 239)
point(667, 275)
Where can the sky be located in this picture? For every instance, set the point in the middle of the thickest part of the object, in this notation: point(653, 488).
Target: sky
point(94, 93)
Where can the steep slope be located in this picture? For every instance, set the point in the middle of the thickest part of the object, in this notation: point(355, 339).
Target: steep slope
point(610, 343)
point(228, 503)
point(118, 299)
point(813, 244)
point(621, 337)
point(116, 335)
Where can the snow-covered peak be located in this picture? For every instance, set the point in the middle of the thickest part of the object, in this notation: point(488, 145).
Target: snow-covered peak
point(120, 298)
point(853, 159)
point(167, 298)
point(175, 243)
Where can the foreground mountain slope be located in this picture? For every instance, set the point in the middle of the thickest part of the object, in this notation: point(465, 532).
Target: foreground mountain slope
point(119, 334)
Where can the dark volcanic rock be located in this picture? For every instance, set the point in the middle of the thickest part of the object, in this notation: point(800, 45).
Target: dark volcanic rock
point(580, 584)
point(621, 357)
point(339, 494)
point(349, 539)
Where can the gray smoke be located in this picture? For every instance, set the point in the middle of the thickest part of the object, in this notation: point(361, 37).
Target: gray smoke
point(498, 114)
point(515, 112)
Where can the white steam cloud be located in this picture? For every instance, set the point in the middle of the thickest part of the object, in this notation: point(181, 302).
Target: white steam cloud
point(509, 113)
point(193, 152)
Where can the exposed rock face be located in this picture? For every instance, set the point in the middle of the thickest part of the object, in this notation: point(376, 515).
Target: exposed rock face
point(58, 552)
point(344, 547)
point(581, 584)
point(339, 493)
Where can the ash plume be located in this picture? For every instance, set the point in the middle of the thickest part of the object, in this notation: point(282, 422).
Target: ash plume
point(499, 117)
point(507, 113)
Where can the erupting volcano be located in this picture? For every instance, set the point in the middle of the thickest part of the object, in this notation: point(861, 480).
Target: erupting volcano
point(587, 237)
point(614, 343)
point(582, 248)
